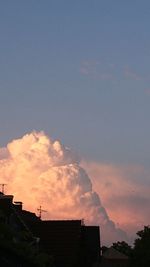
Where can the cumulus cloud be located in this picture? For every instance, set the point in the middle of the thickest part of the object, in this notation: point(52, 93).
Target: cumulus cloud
point(124, 192)
point(40, 171)
point(4, 153)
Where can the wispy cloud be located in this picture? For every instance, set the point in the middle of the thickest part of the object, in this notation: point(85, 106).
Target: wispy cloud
point(108, 71)
point(131, 74)
point(95, 70)
point(89, 67)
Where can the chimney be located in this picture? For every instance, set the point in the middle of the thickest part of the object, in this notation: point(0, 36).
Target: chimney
point(18, 205)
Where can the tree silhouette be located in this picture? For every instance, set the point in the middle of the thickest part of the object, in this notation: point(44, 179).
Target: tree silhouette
point(123, 247)
point(141, 250)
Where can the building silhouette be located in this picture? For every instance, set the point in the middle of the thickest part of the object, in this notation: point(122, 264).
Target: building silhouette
point(70, 242)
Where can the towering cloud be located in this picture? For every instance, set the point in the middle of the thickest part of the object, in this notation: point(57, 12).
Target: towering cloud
point(40, 171)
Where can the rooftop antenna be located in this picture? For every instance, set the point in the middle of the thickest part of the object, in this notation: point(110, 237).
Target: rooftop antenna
point(40, 211)
point(3, 186)
point(82, 222)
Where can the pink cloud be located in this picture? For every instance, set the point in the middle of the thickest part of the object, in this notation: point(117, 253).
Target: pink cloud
point(124, 192)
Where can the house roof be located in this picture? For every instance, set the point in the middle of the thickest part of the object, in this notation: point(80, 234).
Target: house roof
point(112, 253)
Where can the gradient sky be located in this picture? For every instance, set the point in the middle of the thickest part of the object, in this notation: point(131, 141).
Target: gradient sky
point(79, 70)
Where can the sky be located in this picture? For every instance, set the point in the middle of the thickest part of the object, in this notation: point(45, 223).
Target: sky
point(79, 71)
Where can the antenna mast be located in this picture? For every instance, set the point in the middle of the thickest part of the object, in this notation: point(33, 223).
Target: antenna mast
point(3, 187)
point(40, 211)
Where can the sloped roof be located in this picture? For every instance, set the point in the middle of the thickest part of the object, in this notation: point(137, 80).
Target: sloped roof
point(112, 253)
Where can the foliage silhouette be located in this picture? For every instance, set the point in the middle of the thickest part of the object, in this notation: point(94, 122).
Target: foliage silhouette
point(141, 250)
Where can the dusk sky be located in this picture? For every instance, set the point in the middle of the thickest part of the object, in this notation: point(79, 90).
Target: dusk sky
point(80, 72)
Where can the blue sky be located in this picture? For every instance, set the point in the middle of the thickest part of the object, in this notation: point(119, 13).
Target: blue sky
point(79, 70)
